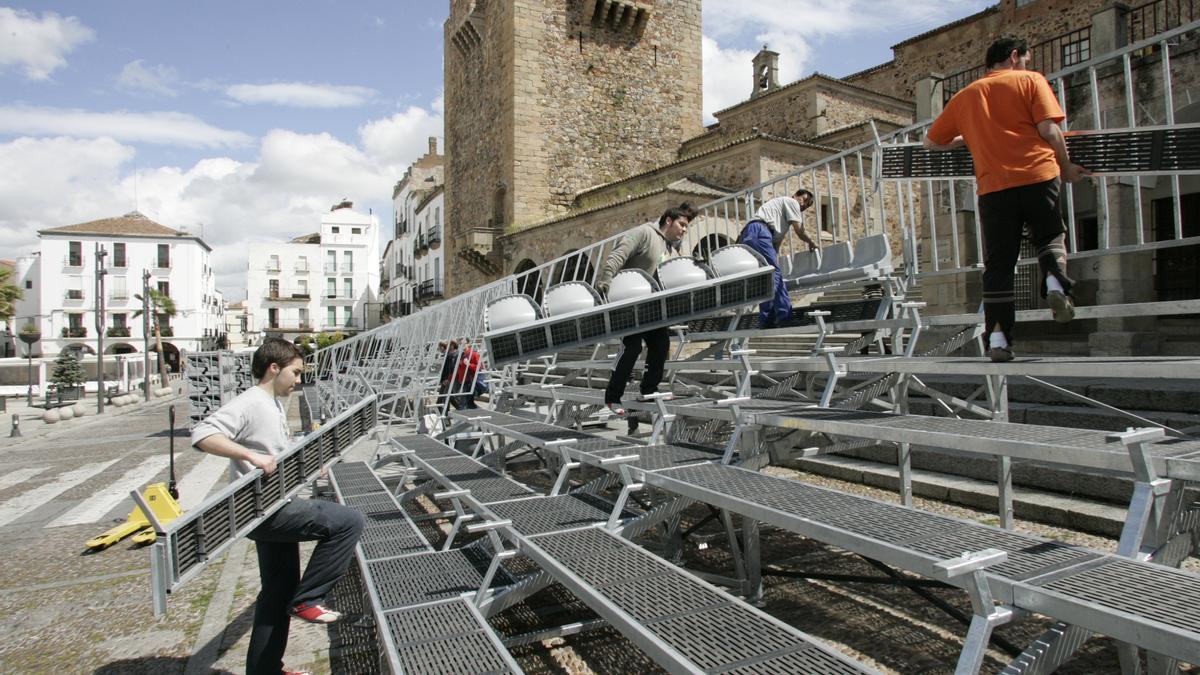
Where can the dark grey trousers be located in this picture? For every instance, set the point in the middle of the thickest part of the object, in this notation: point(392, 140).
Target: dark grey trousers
point(336, 529)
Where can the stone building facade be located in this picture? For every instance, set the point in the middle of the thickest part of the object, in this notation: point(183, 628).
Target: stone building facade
point(546, 98)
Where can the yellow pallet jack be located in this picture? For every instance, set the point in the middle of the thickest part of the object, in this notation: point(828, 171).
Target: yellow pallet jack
point(165, 509)
point(161, 499)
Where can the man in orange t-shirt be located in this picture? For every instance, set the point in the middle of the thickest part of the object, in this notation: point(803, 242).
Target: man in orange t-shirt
point(1009, 120)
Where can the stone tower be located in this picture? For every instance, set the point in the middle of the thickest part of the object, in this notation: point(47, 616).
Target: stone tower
point(545, 98)
point(766, 72)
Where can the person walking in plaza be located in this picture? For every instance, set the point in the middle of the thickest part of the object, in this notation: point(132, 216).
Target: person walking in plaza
point(765, 233)
point(251, 431)
point(643, 247)
point(1009, 121)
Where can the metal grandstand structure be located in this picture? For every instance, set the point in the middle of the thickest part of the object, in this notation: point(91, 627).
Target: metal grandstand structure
point(730, 412)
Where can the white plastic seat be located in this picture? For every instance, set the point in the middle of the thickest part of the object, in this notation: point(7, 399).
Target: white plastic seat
point(872, 258)
point(800, 264)
point(735, 258)
point(631, 283)
point(835, 257)
point(509, 311)
point(681, 271)
point(569, 296)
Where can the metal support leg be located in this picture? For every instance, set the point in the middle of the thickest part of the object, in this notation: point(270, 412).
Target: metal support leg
point(987, 614)
point(823, 331)
point(836, 372)
point(750, 540)
point(904, 464)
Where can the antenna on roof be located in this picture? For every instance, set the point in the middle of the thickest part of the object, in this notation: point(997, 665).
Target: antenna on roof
point(135, 189)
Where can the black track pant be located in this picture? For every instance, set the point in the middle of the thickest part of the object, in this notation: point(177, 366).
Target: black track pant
point(336, 529)
point(658, 343)
point(1004, 215)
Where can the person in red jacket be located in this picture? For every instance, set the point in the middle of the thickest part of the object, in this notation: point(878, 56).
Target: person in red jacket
point(465, 378)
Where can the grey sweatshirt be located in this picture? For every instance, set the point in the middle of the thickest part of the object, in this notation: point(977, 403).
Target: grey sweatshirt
point(255, 419)
point(643, 248)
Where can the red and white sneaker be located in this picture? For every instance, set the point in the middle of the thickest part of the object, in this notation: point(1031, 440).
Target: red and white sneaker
point(315, 613)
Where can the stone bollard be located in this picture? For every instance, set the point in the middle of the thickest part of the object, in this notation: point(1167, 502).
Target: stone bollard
point(66, 413)
point(50, 416)
point(79, 409)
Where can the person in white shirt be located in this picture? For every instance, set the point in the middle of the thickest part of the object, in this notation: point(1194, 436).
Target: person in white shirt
point(765, 233)
point(252, 430)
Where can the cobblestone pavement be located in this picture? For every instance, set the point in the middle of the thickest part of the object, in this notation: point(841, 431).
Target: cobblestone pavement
point(74, 611)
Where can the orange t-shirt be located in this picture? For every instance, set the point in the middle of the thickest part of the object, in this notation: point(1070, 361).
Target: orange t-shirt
point(997, 115)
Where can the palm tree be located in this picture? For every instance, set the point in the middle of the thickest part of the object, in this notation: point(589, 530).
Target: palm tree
point(160, 304)
point(9, 293)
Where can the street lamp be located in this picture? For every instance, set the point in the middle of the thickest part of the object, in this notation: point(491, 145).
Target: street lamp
point(100, 272)
point(29, 335)
point(146, 332)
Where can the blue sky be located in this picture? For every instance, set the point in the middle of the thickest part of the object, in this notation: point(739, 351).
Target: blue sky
point(245, 120)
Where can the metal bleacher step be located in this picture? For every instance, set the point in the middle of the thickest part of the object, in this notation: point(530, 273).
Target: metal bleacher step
point(1054, 508)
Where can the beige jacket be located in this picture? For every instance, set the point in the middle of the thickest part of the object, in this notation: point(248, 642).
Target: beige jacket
point(643, 248)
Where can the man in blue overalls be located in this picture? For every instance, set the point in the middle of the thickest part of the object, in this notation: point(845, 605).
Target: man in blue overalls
point(764, 233)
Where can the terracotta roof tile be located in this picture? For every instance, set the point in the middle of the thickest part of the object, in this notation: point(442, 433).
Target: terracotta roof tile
point(130, 223)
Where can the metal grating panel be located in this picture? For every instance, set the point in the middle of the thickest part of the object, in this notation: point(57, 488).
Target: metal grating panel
point(1027, 556)
point(815, 661)
point(622, 319)
point(732, 293)
point(427, 448)
point(549, 514)
point(577, 543)
point(533, 340)
point(649, 312)
point(721, 636)
point(665, 595)
point(654, 457)
point(389, 548)
point(592, 326)
point(1154, 592)
point(679, 305)
point(444, 638)
point(430, 576)
point(504, 347)
point(564, 332)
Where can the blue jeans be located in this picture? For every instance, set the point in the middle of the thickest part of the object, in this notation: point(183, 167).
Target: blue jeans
point(778, 310)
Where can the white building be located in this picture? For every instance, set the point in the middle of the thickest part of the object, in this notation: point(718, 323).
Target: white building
point(60, 287)
point(325, 281)
point(236, 326)
point(422, 178)
point(429, 256)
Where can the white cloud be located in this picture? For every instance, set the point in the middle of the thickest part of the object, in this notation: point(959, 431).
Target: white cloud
point(403, 137)
point(301, 94)
point(139, 78)
point(38, 46)
point(168, 128)
point(734, 32)
point(279, 194)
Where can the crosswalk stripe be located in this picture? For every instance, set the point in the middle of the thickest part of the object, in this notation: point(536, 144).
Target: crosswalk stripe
point(25, 502)
point(20, 476)
point(93, 508)
point(199, 481)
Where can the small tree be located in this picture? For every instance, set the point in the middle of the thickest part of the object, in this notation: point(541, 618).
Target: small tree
point(67, 371)
point(8, 295)
point(159, 303)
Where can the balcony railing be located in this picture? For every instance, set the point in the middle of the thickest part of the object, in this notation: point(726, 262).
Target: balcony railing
point(301, 327)
point(435, 235)
point(118, 296)
point(74, 331)
point(272, 265)
point(73, 294)
point(72, 260)
point(287, 295)
point(166, 331)
point(162, 264)
point(429, 289)
point(301, 267)
point(117, 331)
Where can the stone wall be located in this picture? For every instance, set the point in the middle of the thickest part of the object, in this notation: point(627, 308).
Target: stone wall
point(542, 102)
point(810, 107)
point(959, 47)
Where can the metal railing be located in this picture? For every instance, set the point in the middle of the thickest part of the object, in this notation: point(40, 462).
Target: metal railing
point(287, 295)
point(117, 331)
point(74, 331)
point(930, 224)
